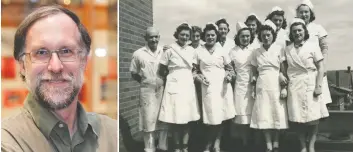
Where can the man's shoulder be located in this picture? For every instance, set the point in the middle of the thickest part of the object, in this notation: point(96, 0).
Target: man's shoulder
point(20, 132)
point(105, 121)
point(16, 121)
point(140, 50)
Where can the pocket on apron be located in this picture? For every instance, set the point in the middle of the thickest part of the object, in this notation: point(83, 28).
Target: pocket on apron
point(172, 86)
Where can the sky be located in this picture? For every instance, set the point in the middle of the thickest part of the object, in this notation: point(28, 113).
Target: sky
point(336, 16)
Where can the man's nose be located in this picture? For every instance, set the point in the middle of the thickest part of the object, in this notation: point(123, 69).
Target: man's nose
point(55, 65)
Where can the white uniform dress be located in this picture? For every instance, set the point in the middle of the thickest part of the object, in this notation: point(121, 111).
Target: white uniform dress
point(282, 37)
point(269, 111)
point(316, 32)
point(256, 43)
point(179, 104)
point(217, 97)
point(243, 89)
point(303, 107)
point(228, 44)
point(145, 63)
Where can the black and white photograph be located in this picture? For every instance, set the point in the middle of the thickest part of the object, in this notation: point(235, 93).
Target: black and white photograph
point(235, 75)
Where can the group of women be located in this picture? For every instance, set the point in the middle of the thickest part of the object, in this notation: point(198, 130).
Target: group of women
point(269, 78)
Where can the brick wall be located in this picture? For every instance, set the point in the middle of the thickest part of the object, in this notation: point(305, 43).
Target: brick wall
point(134, 17)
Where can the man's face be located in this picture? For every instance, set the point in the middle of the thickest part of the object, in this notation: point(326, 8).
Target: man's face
point(152, 38)
point(55, 83)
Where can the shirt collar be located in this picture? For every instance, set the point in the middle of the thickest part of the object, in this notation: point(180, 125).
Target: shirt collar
point(154, 54)
point(299, 45)
point(45, 120)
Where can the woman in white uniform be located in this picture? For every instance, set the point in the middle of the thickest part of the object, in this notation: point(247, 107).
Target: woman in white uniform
point(305, 72)
point(318, 35)
point(241, 56)
point(179, 102)
point(269, 113)
point(277, 17)
point(217, 97)
point(223, 29)
point(253, 22)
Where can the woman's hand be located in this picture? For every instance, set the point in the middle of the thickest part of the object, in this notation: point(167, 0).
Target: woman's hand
point(284, 93)
point(283, 80)
point(166, 47)
point(159, 81)
point(254, 92)
point(228, 78)
point(317, 91)
point(205, 81)
point(202, 79)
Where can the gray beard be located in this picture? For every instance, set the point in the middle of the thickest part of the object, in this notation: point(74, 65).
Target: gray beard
point(52, 105)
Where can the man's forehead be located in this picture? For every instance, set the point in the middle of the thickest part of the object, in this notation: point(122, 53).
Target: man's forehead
point(151, 31)
point(59, 19)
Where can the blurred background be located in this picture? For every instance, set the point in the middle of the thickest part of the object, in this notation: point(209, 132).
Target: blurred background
point(99, 92)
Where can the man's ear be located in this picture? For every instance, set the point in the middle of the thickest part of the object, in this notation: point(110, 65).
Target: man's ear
point(21, 63)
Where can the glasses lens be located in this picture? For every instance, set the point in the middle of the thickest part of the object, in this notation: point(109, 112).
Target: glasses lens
point(67, 55)
point(40, 55)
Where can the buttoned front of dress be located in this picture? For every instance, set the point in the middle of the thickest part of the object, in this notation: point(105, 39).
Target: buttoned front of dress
point(243, 89)
point(179, 102)
point(217, 97)
point(302, 105)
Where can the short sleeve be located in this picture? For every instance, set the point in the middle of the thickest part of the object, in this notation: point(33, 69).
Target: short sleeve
point(232, 54)
point(253, 58)
point(135, 64)
point(286, 34)
point(226, 58)
point(165, 57)
point(282, 55)
point(317, 55)
point(321, 31)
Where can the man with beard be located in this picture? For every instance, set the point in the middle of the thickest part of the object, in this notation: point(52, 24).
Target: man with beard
point(144, 68)
point(51, 47)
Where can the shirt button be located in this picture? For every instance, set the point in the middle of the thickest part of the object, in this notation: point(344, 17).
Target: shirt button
point(61, 125)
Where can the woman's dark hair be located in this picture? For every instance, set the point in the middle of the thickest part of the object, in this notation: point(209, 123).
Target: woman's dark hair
point(264, 28)
point(252, 18)
point(195, 29)
point(279, 13)
point(209, 27)
point(180, 28)
point(237, 40)
point(312, 14)
point(224, 22)
point(306, 36)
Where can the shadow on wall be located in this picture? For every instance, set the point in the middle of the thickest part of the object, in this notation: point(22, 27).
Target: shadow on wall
point(130, 144)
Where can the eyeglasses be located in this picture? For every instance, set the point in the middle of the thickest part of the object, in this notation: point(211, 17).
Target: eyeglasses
point(44, 56)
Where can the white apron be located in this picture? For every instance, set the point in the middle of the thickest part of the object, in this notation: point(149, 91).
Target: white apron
point(145, 63)
point(316, 31)
point(302, 105)
point(179, 104)
point(217, 97)
point(269, 111)
point(243, 100)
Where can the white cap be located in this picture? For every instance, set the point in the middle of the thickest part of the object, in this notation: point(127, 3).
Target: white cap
point(187, 24)
point(240, 25)
point(254, 15)
point(307, 3)
point(213, 24)
point(271, 24)
point(276, 8)
point(297, 20)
